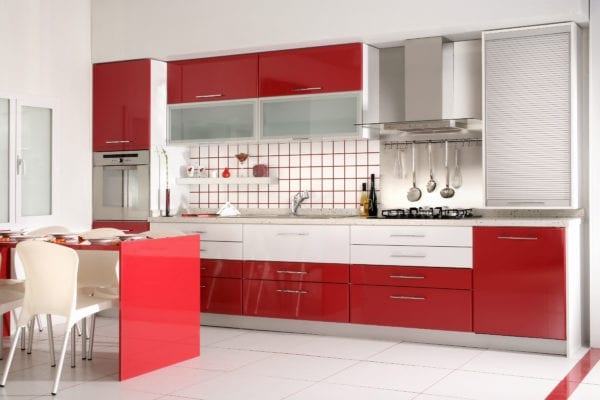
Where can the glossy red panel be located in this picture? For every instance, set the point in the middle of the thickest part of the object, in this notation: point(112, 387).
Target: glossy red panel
point(127, 226)
point(443, 278)
point(121, 108)
point(221, 295)
point(159, 304)
point(311, 70)
point(215, 78)
point(296, 271)
point(519, 281)
point(221, 268)
point(297, 300)
point(446, 309)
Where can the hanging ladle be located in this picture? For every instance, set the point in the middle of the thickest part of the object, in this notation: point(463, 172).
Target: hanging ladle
point(414, 193)
point(447, 192)
point(431, 184)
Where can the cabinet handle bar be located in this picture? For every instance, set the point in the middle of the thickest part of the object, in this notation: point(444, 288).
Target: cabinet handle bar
point(517, 238)
point(408, 255)
point(407, 235)
point(406, 277)
point(407, 298)
point(292, 272)
point(208, 96)
point(292, 291)
point(117, 141)
point(305, 89)
point(202, 286)
point(292, 234)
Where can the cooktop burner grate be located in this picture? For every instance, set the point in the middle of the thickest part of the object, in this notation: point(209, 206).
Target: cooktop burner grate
point(428, 213)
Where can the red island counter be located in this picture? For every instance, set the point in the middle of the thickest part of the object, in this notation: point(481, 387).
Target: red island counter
point(159, 305)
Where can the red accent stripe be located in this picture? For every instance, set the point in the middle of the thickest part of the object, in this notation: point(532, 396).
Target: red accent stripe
point(567, 386)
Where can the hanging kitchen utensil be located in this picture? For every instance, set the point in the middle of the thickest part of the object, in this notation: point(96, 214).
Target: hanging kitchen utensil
point(414, 193)
point(432, 183)
point(447, 192)
point(457, 177)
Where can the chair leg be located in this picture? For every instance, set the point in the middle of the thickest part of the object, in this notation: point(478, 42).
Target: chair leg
point(1, 337)
point(61, 361)
point(92, 333)
point(51, 340)
point(39, 322)
point(23, 339)
point(11, 355)
point(77, 329)
point(83, 339)
point(73, 347)
point(31, 329)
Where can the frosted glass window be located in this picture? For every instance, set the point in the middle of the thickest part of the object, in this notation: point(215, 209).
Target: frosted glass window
point(310, 117)
point(36, 166)
point(4, 160)
point(212, 121)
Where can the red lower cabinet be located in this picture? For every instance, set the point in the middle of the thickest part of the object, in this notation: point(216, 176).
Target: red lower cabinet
point(297, 300)
point(411, 307)
point(519, 283)
point(221, 295)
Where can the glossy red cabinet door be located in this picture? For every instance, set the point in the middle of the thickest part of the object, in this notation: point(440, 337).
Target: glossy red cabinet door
point(448, 278)
point(296, 271)
point(221, 268)
point(121, 108)
point(297, 300)
point(210, 79)
point(519, 281)
point(221, 295)
point(424, 308)
point(311, 70)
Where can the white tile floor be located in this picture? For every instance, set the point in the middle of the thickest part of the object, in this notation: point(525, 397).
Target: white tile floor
point(239, 364)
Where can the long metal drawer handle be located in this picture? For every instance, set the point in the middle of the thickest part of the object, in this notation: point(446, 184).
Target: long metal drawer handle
point(407, 298)
point(407, 235)
point(117, 141)
point(292, 234)
point(408, 255)
point(207, 96)
point(292, 291)
point(406, 277)
point(517, 238)
point(307, 89)
point(202, 250)
point(202, 286)
point(292, 272)
point(199, 231)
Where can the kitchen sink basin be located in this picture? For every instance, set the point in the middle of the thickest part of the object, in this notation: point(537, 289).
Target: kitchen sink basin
point(289, 216)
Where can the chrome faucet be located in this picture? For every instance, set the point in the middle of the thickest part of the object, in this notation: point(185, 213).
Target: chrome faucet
point(297, 200)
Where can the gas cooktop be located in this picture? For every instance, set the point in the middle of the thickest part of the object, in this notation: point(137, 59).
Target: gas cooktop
point(428, 213)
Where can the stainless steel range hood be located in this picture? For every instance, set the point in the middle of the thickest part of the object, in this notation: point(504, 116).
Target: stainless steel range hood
point(430, 87)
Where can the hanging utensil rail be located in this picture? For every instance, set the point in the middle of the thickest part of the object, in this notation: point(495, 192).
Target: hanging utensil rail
point(403, 144)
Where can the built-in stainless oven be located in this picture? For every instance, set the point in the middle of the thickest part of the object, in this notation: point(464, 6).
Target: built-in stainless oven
point(121, 185)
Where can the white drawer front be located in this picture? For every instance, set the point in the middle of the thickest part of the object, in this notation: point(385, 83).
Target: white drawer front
point(221, 250)
point(413, 235)
point(208, 232)
point(302, 243)
point(414, 256)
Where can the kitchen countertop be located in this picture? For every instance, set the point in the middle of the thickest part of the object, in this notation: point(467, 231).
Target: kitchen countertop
point(558, 218)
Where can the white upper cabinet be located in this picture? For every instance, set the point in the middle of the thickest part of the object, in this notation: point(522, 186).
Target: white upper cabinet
point(531, 122)
point(4, 160)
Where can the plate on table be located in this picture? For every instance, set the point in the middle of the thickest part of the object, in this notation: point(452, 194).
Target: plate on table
point(20, 238)
point(131, 236)
point(65, 237)
point(104, 241)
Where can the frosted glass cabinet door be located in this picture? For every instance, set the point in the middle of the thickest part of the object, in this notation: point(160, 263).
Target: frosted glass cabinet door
point(316, 116)
point(4, 160)
point(35, 161)
point(215, 121)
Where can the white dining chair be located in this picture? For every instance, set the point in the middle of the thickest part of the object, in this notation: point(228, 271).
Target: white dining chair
point(11, 298)
point(51, 288)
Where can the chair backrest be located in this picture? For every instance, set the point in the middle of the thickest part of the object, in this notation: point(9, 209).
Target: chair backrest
point(45, 230)
point(51, 279)
point(98, 268)
point(100, 233)
point(11, 295)
point(162, 233)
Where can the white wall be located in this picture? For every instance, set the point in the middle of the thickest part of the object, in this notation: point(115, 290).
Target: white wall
point(46, 53)
point(176, 29)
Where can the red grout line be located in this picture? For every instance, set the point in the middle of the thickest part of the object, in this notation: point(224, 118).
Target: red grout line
point(567, 386)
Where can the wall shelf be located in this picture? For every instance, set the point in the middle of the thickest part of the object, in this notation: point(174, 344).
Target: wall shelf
point(228, 181)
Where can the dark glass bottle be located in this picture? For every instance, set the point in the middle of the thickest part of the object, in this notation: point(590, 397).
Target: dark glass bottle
point(372, 198)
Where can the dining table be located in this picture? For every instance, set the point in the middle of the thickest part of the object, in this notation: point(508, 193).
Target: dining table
point(159, 299)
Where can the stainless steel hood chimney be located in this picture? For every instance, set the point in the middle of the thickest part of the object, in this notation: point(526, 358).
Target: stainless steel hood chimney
point(429, 86)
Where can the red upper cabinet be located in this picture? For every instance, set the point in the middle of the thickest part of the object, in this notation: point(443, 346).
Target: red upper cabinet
point(311, 70)
point(210, 79)
point(121, 109)
point(519, 281)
